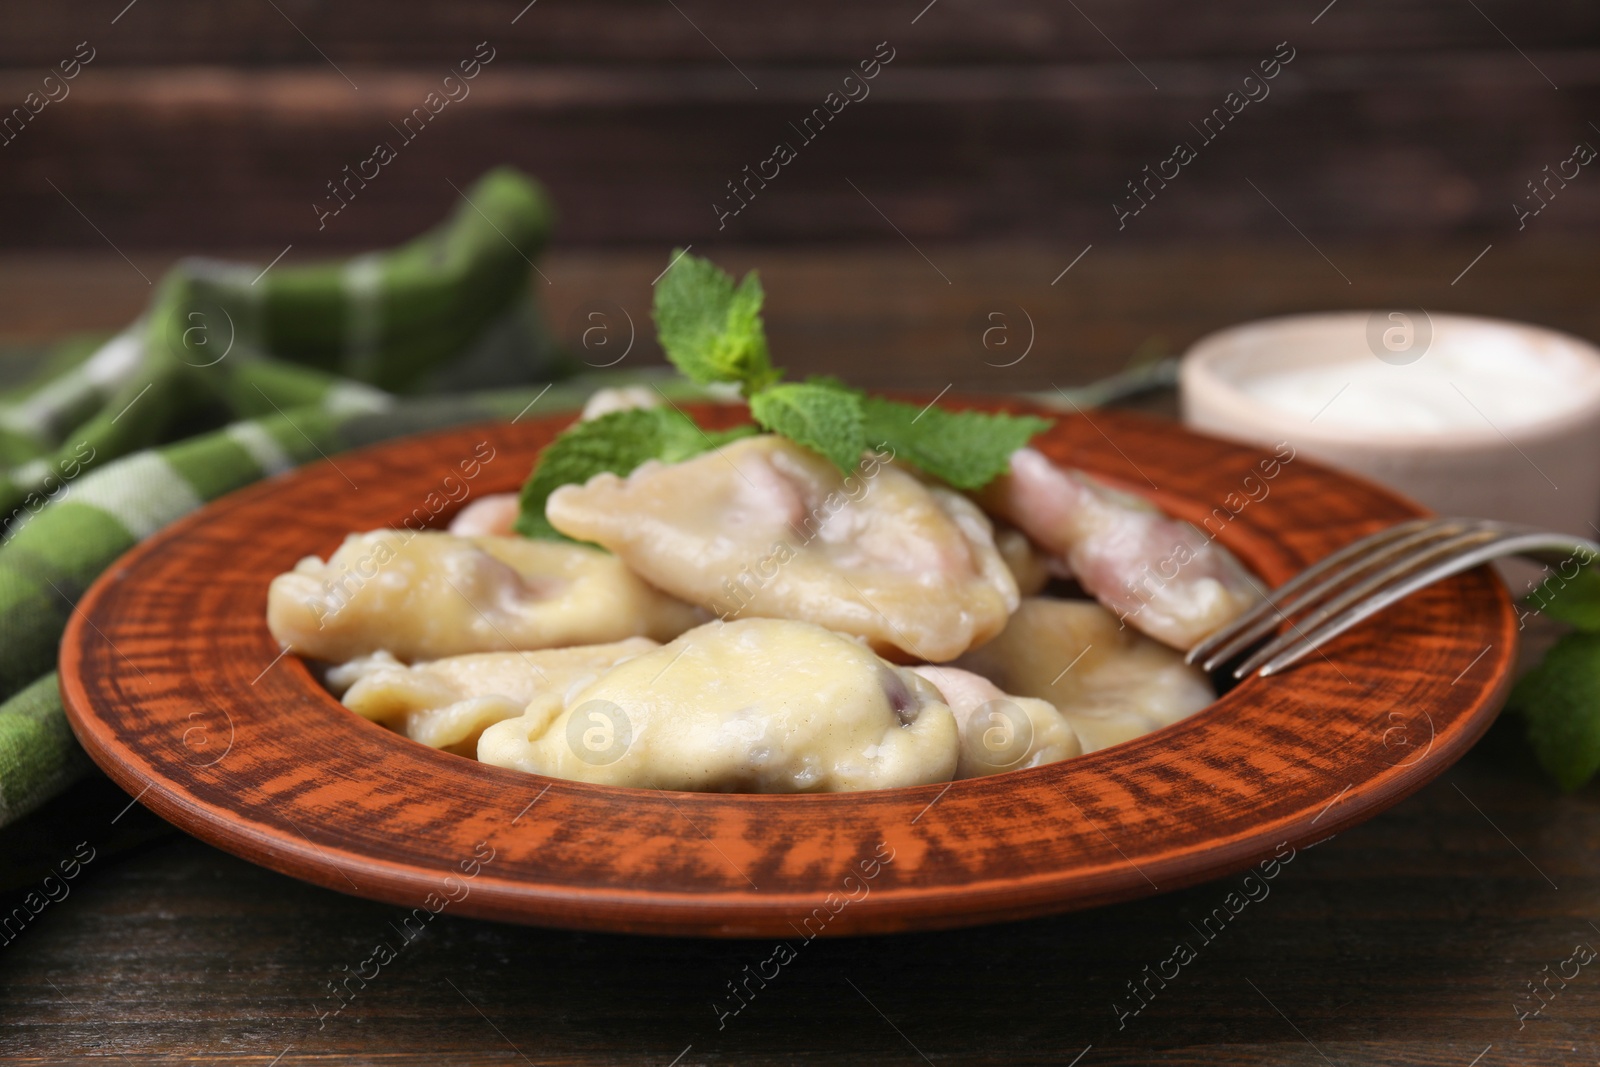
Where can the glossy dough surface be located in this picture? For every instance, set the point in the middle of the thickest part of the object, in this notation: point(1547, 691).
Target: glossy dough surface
point(428, 595)
point(763, 527)
point(754, 705)
point(1000, 732)
point(1110, 682)
point(1163, 576)
point(543, 656)
point(448, 702)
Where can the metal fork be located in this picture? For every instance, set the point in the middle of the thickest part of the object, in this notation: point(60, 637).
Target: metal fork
point(1363, 578)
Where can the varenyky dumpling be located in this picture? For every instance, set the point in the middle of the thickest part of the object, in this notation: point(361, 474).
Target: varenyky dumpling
point(1110, 682)
point(428, 595)
point(754, 705)
point(1163, 576)
point(1031, 568)
point(764, 527)
point(1000, 732)
point(447, 703)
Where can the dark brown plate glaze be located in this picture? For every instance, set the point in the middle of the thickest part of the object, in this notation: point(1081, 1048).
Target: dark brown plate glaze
point(176, 688)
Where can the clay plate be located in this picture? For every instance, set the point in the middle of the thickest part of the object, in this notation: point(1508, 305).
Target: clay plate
point(175, 687)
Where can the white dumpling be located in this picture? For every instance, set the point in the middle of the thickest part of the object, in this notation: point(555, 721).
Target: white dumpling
point(1000, 732)
point(1031, 568)
point(755, 705)
point(763, 527)
point(448, 702)
point(1110, 682)
point(428, 595)
point(1163, 576)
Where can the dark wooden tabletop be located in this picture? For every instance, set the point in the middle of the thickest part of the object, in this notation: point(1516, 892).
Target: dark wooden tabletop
point(1416, 938)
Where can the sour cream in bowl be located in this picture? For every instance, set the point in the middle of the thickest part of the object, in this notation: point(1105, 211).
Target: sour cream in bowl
point(1469, 416)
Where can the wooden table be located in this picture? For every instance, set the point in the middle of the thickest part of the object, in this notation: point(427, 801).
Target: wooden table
point(1409, 940)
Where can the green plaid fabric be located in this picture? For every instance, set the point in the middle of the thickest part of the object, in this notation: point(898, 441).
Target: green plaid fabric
point(236, 373)
point(224, 341)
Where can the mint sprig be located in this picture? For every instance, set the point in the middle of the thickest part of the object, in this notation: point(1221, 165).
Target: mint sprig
point(711, 330)
point(967, 449)
point(1574, 600)
point(822, 417)
point(1559, 700)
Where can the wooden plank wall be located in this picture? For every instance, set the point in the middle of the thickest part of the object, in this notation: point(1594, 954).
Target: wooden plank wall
point(217, 125)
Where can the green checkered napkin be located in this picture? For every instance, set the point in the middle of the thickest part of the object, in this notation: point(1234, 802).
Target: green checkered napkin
point(234, 374)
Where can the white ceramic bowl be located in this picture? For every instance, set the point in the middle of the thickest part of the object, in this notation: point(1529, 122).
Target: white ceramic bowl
point(1521, 444)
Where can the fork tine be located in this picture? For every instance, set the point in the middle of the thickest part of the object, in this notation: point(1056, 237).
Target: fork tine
point(1265, 608)
point(1505, 543)
point(1447, 550)
point(1313, 583)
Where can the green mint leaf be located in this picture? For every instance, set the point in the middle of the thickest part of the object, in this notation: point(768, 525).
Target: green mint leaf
point(711, 329)
point(614, 443)
point(1574, 600)
point(967, 449)
point(822, 417)
point(1560, 700)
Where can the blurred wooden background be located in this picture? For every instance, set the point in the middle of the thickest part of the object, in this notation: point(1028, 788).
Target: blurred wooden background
point(216, 125)
point(986, 158)
point(1381, 170)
